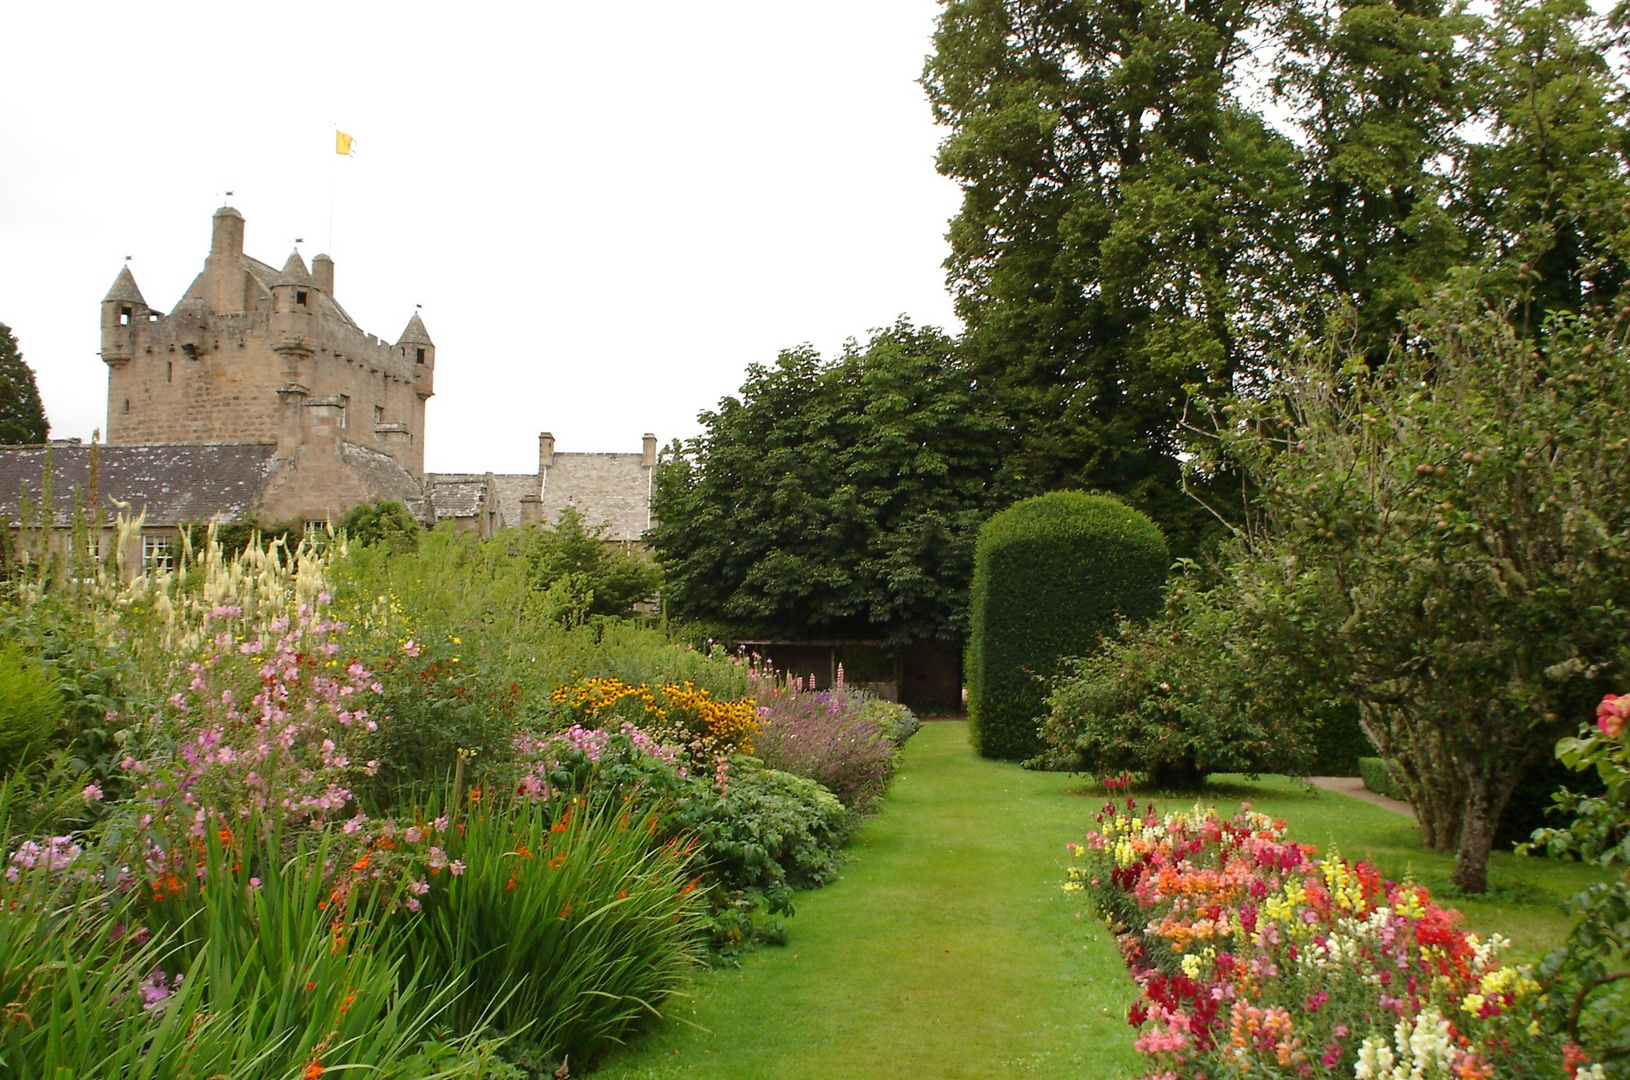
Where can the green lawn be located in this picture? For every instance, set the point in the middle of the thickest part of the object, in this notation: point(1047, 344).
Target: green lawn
point(1525, 896)
point(947, 949)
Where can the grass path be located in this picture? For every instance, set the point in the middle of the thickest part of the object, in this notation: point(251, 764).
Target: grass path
point(945, 950)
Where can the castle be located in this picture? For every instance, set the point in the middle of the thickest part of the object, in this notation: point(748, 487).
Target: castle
point(259, 398)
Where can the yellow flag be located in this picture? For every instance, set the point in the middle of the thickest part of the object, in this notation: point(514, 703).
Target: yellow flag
point(342, 143)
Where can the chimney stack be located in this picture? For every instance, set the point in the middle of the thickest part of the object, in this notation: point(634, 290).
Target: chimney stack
point(227, 235)
point(650, 455)
point(546, 452)
point(322, 272)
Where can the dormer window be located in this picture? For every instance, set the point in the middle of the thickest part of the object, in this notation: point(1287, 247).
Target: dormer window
point(421, 356)
point(124, 315)
point(300, 297)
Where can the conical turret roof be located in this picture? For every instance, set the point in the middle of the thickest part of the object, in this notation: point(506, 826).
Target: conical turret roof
point(415, 333)
point(294, 272)
point(124, 289)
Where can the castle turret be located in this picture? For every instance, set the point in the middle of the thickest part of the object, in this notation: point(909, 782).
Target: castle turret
point(293, 326)
point(124, 312)
point(415, 346)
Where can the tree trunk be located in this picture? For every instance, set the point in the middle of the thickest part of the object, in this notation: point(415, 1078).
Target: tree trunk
point(1182, 775)
point(1422, 766)
point(1478, 822)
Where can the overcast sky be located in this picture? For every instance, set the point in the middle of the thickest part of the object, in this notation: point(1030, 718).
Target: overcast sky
point(607, 210)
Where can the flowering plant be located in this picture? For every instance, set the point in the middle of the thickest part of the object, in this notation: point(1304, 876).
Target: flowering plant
point(679, 714)
point(1257, 958)
point(1595, 1010)
point(836, 737)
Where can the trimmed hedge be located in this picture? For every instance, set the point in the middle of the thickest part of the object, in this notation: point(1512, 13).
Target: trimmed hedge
point(1374, 773)
point(1051, 575)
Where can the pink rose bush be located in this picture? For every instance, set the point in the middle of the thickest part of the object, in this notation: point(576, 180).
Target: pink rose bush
point(1256, 958)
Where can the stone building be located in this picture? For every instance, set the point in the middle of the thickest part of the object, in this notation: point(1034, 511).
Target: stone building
point(258, 397)
point(611, 491)
point(252, 354)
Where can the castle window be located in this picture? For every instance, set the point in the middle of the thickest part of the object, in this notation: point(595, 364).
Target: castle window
point(300, 297)
point(127, 404)
point(345, 412)
point(379, 414)
point(156, 553)
point(124, 316)
point(169, 371)
point(421, 356)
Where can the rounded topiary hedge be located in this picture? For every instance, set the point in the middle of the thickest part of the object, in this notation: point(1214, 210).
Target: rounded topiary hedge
point(1051, 574)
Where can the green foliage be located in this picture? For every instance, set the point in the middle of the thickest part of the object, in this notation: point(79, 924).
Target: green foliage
point(834, 499)
point(262, 978)
point(1053, 574)
point(31, 708)
point(1376, 776)
point(1134, 228)
point(1188, 693)
point(22, 417)
point(1595, 1004)
point(581, 574)
point(386, 523)
point(1448, 536)
point(565, 926)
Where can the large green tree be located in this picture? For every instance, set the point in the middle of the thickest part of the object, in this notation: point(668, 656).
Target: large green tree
point(1122, 217)
point(22, 417)
point(835, 498)
point(1135, 228)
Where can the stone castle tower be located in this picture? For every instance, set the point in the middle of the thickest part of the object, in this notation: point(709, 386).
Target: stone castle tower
point(252, 354)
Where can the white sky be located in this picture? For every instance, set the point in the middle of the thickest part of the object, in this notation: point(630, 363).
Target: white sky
point(607, 210)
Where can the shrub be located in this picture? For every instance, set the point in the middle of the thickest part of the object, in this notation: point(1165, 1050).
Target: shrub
point(564, 924)
point(386, 523)
point(31, 707)
point(1185, 694)
point(1376, 777)
point(839, 738)
point(1051, 575)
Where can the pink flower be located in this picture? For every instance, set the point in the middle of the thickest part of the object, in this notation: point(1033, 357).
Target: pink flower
point(92, 793)
point(456, 867)
point(1612, 713)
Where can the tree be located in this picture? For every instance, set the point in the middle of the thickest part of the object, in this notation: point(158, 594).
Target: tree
point(1451, 531)
point(583, 574)
point(835, 499)
point(1122, 216)
point(22, 417)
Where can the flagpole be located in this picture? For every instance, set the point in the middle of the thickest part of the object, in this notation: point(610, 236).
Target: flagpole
point(333, 180)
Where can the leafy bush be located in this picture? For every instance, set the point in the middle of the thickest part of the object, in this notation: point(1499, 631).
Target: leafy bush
point(31, 708)
point(386, 523)
point(897, 722)
point(1374, 772)
point(1051, 575)
point(771, 833)
point(1592, 1006)
point(843, 739)
point(563, 924)
point(1185, 694)
point(586, 575)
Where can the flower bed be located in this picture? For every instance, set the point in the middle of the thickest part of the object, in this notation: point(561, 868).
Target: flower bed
point(1255, 958)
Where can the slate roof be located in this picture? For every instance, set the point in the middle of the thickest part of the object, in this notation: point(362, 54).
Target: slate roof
point(507, 487)
point(457, 498)
point(124, 289)
point(174, 483)
point(414, 333)
point(385, 477)
point(613, 490)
